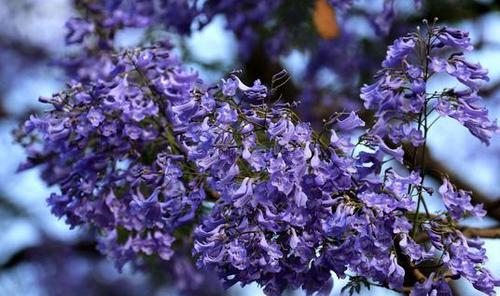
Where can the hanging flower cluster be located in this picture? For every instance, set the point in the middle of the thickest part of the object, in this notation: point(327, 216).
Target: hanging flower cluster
point(399, 96)
point(403, 106)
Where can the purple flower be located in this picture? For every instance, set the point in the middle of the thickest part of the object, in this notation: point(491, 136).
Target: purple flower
point(226, 115)
point(397, 152)
point(472, 75)
point(431, 287)
point(398, 51)
point(414, 251)
point(351, 122)
point(95, 117)
point(254, 94)
point(341, 4)
point(133, 131)
point(458, 202)
point(469, 113)
point(229, 87)
point(454, 38)
point(400, 89)
point(78, 29)
point(384, 20)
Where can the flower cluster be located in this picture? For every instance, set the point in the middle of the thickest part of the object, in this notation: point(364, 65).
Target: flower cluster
point(402, 107)
point(399, 96)
point(161, 164)
point(275, 27)
point(105, 17)
point(111, 153)
point(101, 20)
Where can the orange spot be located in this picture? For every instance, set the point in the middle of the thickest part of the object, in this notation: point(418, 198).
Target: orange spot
point(325, 20)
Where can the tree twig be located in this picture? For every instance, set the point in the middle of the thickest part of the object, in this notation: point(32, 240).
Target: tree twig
point(481, 232)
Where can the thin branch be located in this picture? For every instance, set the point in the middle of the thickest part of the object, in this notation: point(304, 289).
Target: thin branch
point(490, 89)
point(24, 48)
point(30, 253)
point(418, 274)
point(436, 170)
point(482, 232)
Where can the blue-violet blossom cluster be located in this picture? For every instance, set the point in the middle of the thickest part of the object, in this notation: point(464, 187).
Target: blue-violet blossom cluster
point(156, 161)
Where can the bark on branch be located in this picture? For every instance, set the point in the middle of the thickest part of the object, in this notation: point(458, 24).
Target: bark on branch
point(482, 232)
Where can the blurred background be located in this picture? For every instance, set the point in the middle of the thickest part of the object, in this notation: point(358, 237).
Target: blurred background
point(39, 255)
